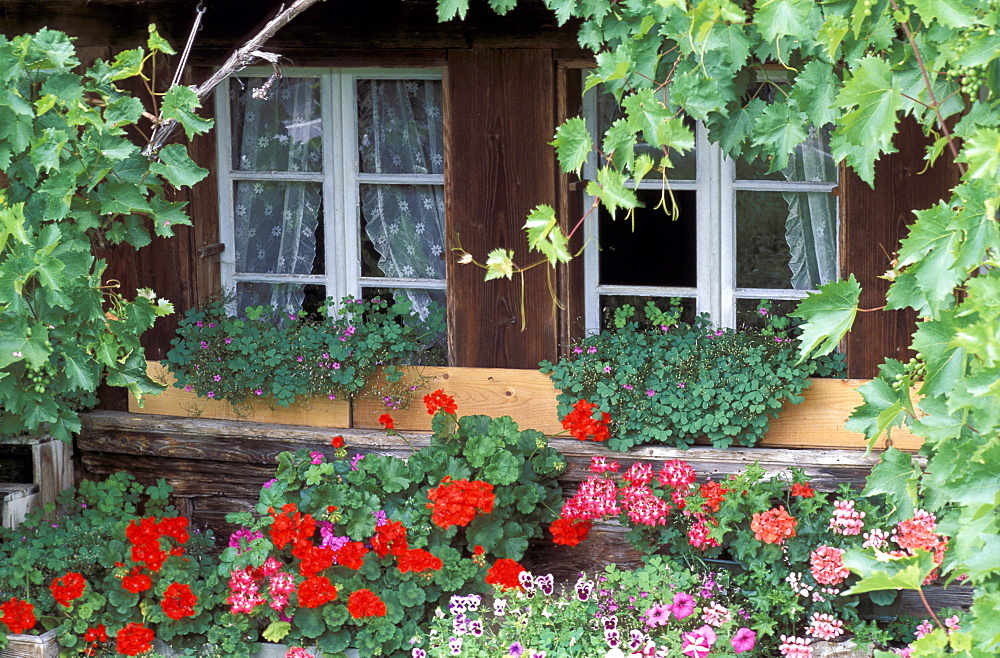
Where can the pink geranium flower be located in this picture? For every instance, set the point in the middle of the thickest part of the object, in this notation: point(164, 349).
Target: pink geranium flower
point(744, 640)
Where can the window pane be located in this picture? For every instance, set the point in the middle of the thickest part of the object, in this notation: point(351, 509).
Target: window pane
point(402, 229)
point(811, 162)
point(785, 240)
point(609, 303)
point(276, 224)
point(280, 133)
point(400, 129)
point(290, 297)
point(436, 353)
point(657, 249)
point(748, 315)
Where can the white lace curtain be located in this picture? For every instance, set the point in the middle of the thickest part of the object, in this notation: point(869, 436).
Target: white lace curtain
point(400, 133)
point(276, 220)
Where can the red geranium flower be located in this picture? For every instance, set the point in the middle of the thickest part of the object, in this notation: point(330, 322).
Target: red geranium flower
point(387, 421)
point(389, 538)
point(134, 639)
point(312, 559)
point(505, 573)
point(418, 560)
point(337, 441)
point(290, 528)
point(98, 634)
point(17, 615)
point(67, 589)
point(178, 601)
point(364, 603)
point(352, 555)
point(315, 591)
point(455, 502)
point(581, 422)
point(773, 526)
point(713, 493)
point(136, 581)
point(439, 400)
point(802, 489)
point(569, 532)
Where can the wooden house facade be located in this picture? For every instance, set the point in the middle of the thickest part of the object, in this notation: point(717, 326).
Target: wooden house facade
point(505, 84)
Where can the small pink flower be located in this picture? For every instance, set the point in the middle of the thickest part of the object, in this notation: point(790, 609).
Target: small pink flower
point(744, 640)
point(210, 394)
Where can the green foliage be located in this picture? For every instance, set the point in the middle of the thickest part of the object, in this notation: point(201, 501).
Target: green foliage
point(71, 179)
point(783, 542)
point(860, 65)
point(557, 621)
point(358, 498)
point(86, 533)
point(673, 382)
point(282, 357)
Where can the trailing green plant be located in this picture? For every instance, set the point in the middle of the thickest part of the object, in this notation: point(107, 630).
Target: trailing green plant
point(271, 354)
point(860, 66)
point(357, 551)
point(70, 179)
point(111, 565)
point(666, 381)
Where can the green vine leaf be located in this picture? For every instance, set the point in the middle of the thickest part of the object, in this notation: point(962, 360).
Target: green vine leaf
point(573, 145)
point(828, 315)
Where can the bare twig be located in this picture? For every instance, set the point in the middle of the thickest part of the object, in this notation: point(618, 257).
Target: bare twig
point(241, 58)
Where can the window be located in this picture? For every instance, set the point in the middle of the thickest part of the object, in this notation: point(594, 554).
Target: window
point(719, 234)
point(333, 186)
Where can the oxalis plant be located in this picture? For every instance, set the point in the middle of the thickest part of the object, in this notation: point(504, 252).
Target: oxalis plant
point(666, 381)
point(860, 66)
point(70, 179)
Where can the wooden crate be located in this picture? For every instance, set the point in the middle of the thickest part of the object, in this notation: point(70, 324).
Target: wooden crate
point(32, 646)
point(16, 500)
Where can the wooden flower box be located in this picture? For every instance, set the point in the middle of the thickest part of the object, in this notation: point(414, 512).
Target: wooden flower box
point(32, 646)
point(530, 399)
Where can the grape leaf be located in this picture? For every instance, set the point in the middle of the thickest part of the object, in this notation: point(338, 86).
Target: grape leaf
point(828, 315)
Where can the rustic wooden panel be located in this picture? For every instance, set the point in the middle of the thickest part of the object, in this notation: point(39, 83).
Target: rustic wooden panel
point(569, 103)
point(45, 645)
point(174, 401)
point(203, 209)
point(498, 166)
point(52, 465)
point(235, 442)
point(17, 499)
point(819, 420)
point(526, 396)
point(872, 223)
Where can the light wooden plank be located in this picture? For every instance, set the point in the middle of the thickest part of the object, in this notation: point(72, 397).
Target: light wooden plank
point(176, 402)
point(527, 396)
point(819, 420)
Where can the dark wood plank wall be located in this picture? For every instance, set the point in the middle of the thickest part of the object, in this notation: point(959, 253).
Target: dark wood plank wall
point(498, 102)
point(873, 221)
